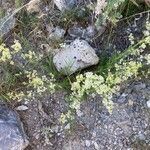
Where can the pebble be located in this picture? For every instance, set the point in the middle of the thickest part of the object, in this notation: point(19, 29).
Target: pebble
point(22, 108)
point(79, 112)
point(96, 146)
point(148, 103)
point(56, 33)
point(67, 127)
point(141, 136)
point(87, 143)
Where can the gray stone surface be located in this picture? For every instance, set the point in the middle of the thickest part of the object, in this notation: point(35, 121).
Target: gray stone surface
point(12, 135)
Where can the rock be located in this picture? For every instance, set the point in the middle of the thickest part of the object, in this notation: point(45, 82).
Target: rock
point(64, 4)
point(33, 6)
point(87, 143)
point(7, 23)
point(84, 33)
point(79, 112)
point(141, 136)
point(22, 107)
point(90, 31)
point(76, 31)
point(67, 127)
point(76, 56)
point(12, 135)
point(148, 103)
point(96, 146)
point(56, 33)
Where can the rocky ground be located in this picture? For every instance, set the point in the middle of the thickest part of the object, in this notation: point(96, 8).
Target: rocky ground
point(94, 128)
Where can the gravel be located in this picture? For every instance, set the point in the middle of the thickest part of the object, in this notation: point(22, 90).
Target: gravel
point(128, 123)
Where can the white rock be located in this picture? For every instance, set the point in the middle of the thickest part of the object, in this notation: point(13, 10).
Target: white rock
point(76, 56)
point(148, 103)
point(87, 143)
point(22, 107)
point(96, 146)
point(67, 127)
point(64, 4)
point(79, 112)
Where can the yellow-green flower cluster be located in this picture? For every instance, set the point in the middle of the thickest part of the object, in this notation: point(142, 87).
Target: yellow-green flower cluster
point(93, 83)
point(30, 55)
point(65, 117)
point(86, 84)
point(16, 46)
point(123, 72)
point(36, 83)
point(16, 95)
point(39, 83)
point(6, 54)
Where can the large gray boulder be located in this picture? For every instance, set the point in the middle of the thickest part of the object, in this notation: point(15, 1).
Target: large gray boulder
point(76, 56)
point(12, 135)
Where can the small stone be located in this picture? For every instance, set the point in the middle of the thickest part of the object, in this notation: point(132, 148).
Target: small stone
point(79, 113)
point(67, 127)
point(84, 33)
point(76, 31)
point(22, 108)
point(124, 95)
point(141, 136)
point(90, 31)
point(122, 99)
point(96, 146)
point(56, 33)
point(93, 134)
point(148, 103)
point(130, 102)
point(87, 143)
